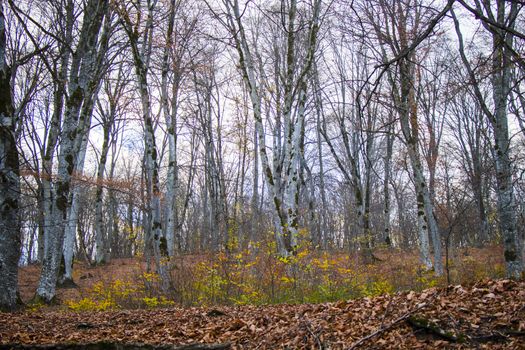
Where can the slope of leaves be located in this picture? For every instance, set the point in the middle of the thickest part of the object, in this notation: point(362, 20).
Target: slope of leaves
point(489, 315)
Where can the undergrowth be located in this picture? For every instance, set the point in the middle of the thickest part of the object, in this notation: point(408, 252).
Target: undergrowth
point(256, 276)
point(142, 293)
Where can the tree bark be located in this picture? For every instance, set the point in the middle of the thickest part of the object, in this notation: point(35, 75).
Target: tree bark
point(141, 56)
point(295, 76)
point(82, 81)
point(10, 228)
point(100, 233)
point(502, 42)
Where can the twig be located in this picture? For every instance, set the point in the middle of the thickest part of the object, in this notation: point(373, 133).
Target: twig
point(387, 327)
point(498, 335)
point(387, 311)
point(315, 336)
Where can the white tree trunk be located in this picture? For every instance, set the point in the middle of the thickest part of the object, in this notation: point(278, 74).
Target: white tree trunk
point(141, 57)
point(72, 218)
point(503, 43)
point(101, 240)
point(407, 109)
point(501, 84)
point(422, 218)
point(83, 82)
point(294, 95)
point(171, 119)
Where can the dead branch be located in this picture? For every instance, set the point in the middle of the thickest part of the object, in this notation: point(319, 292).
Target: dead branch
point(383, 329)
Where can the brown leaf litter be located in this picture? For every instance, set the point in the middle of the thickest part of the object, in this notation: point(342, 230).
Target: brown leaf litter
point(489, 315)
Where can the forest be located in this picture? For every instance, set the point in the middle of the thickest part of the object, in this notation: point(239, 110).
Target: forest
point(214, 153)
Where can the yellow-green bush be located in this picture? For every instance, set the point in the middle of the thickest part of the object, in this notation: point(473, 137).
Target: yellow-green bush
point(253, 273)
point(87, 304)
point(119, 294)
point(376, 288)
point(157, 302)
point(258, 275)
point(424, 279)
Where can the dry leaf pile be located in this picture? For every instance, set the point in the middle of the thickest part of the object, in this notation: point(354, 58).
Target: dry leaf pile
point(489, 315)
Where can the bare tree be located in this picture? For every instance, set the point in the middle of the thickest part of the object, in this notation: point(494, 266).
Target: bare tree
point(294, 95)
point(472, 133)
point(398, 27)
point(180, 29)
point(503, 14)
point(108, 111)
point(140, 36)
point(83, 84)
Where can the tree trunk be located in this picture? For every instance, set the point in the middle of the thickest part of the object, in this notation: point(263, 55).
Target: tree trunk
point(387, 161)
point(82, 81)
point(407, 110)
point(502, 42)
point(170, 115)
point(72, 220)
point(295, 76)
point(10, 229)
point(141, 57)
point(100, 236)
point(501, 65)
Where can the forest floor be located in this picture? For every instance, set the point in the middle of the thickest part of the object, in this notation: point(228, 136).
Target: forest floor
point(488, 314)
